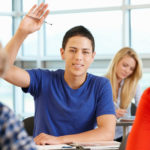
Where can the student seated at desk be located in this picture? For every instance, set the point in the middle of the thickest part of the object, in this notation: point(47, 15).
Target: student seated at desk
point(69, 103)
point(12, 133)
point(124, 73)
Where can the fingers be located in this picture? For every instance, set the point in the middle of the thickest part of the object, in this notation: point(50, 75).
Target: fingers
point(31, 10)
point(120, 112)
point(39, 8)
point(42, 139)
point(39, 11)
point(45, 139)
point(45, 15)
point(37, 139)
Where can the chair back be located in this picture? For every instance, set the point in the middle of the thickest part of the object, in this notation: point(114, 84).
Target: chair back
point(133, 109)
point(29, 125)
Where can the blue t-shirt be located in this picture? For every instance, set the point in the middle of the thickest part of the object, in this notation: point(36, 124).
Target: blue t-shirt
point(61, 110)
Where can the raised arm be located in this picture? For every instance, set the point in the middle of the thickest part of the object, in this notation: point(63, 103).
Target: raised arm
point(28, 25)
point(104, 132)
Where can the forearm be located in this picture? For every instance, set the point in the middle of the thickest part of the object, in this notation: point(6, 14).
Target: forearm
point(14, 44)
point(95, 135)
point(104, 132)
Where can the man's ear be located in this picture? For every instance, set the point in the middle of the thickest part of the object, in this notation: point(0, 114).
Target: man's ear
point(94, 53)
point(62, 51)
point(93, 56)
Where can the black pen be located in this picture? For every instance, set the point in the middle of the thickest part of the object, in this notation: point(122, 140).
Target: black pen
point(81, 148)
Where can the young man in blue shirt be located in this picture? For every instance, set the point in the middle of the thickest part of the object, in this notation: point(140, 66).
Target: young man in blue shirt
point(69, 103)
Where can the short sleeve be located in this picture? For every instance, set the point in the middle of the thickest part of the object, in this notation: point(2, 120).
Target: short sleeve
point(105, 103)
point(35, 82)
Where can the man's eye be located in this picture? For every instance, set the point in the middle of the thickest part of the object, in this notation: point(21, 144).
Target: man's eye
point(72, 50)
point(85, 52)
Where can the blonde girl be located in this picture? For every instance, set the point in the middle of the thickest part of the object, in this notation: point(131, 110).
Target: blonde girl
point(124, 72)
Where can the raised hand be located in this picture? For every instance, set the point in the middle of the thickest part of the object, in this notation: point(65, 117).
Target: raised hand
point(33, 20)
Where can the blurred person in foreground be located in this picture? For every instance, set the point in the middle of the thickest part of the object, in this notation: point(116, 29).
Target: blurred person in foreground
point(12, 133)
point(139, 137)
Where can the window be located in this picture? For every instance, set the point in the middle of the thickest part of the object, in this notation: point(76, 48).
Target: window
point(140, 33)
point(28, 48)
point(114, 24)
point(145, 81)
point(6, 93)
point(27, 4)
point(80, 4)
point(28, 105)
point(138, 2)
point(105, 26)
point(6, 6)
point(5, 29)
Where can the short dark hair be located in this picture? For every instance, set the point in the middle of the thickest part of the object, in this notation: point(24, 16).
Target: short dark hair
point(81, 31)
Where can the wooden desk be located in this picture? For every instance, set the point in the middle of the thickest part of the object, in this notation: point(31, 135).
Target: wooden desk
point(125, 125)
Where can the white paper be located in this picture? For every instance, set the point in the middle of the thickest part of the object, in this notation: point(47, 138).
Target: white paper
point(103, 145)
point(47, 147)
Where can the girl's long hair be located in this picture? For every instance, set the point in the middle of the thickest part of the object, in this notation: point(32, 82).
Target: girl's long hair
point(130, 83)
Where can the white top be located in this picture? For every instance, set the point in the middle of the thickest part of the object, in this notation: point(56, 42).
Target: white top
point(138, 93)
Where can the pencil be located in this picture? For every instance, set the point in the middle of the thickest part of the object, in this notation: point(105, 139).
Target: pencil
point(38, 19)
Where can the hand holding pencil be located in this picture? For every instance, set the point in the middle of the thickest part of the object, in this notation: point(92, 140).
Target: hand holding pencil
point(119, 111)
point(34, 19)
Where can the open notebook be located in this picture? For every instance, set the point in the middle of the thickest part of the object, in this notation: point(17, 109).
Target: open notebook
point(127, 119)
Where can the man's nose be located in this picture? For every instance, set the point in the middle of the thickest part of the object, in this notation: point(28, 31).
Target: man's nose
point(78, 54)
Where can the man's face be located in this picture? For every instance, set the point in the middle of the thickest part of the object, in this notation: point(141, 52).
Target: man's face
point(78, 55)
